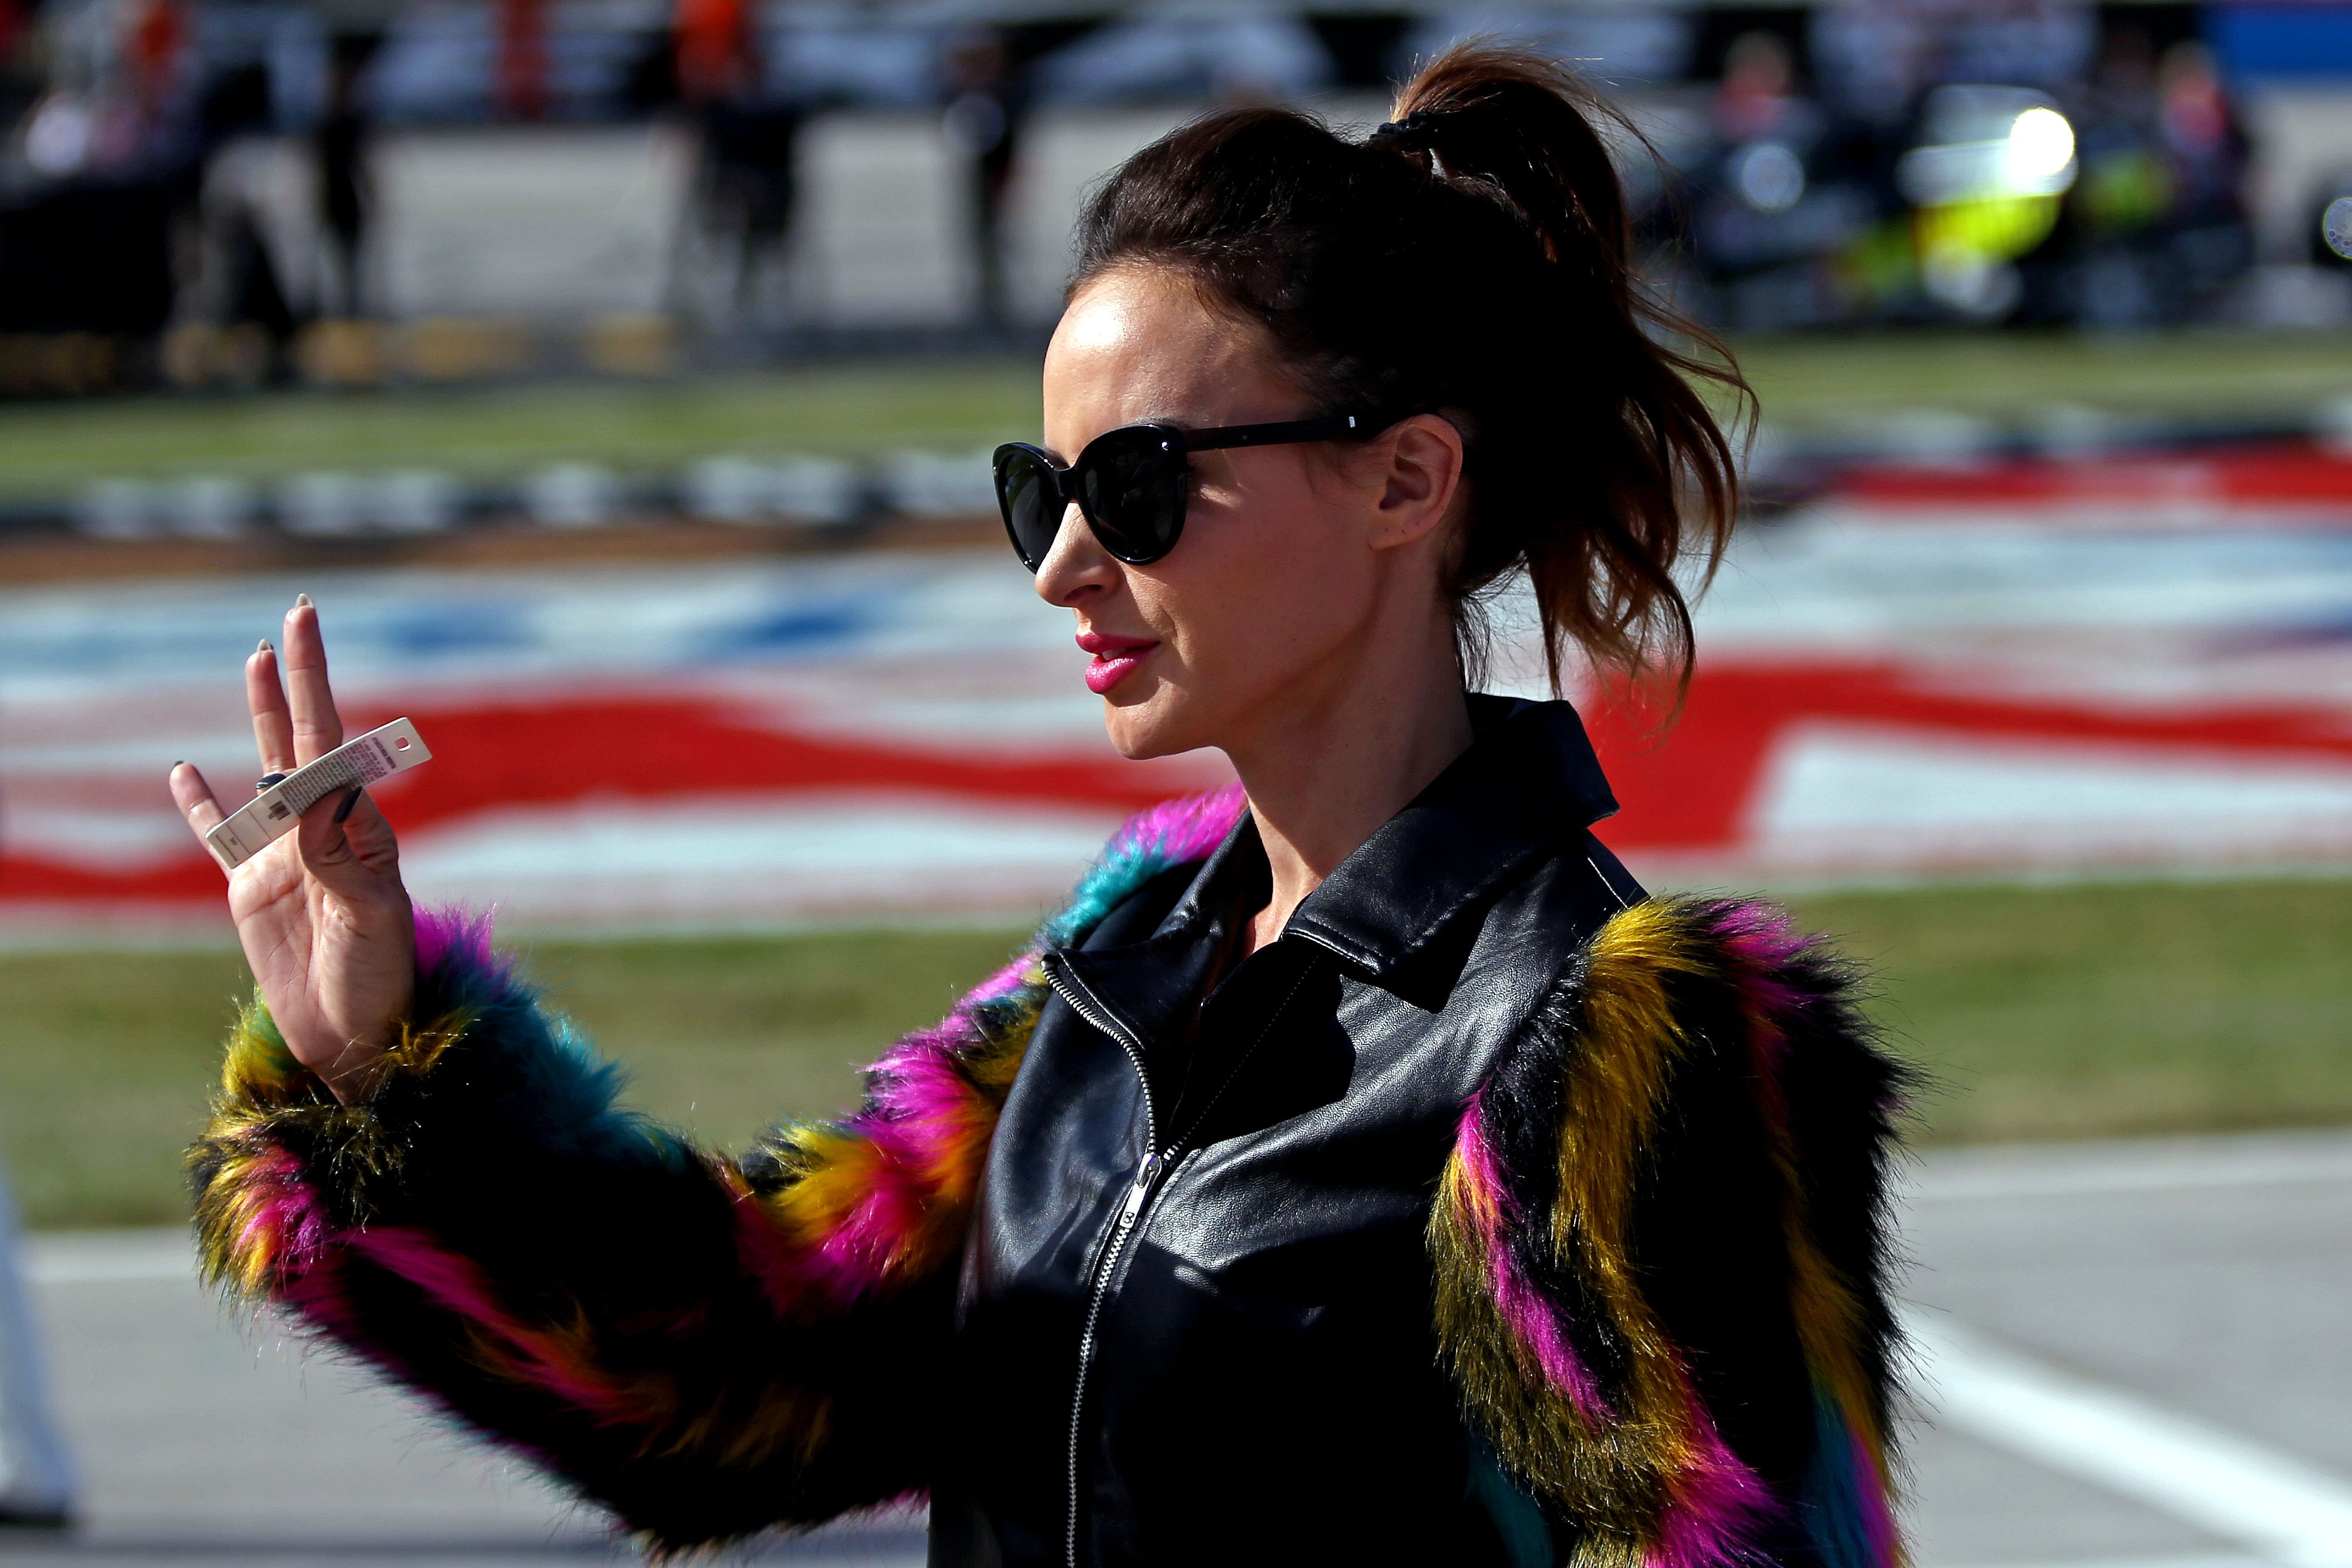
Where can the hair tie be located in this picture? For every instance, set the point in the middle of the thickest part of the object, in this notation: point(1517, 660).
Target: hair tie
point(1416, 133)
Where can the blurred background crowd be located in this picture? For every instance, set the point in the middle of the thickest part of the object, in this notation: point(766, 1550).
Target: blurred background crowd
point(211, 191)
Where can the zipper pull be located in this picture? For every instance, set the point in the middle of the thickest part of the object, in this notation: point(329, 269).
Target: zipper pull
point(1144, 1175)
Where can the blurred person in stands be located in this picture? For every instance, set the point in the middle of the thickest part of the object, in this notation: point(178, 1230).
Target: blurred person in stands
point(986, 106)
point(237, 284)
point(1771, 212)
point(523, 69)
point(158, 62)
point(1364, 1168)
point(746, 182)
point(2112, 225)
point(2207, 154)
point(20, 60)
point(95, 217)
point(345, 176)
point(2156, 227)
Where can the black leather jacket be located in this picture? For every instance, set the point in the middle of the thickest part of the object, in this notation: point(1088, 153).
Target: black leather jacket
point(1494, 1215)
point(1197, 1268)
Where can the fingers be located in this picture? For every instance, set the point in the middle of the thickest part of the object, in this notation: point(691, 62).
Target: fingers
point(273, 725)
point(195, 798)
point(326, 849)
point(326, 835)
point(318, 729)
point(372, 839)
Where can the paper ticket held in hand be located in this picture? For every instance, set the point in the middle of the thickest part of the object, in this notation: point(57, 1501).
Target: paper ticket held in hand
point(270, 816)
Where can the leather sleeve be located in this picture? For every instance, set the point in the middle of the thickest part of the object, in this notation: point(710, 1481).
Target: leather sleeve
point(706, 1346)
point(1659, 1247)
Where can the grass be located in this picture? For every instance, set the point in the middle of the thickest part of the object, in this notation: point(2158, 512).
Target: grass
point(2056, 1011)
point(106, 1058)
point(2099, 1010)
point(850, 410)
point(1816, 382)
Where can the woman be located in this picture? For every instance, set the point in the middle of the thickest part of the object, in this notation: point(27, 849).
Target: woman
point(1361, 1168)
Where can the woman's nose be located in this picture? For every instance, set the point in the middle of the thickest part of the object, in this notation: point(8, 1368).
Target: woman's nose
point(1078, 564)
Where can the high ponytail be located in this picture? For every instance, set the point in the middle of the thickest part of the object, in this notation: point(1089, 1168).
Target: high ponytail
point(1473, 257)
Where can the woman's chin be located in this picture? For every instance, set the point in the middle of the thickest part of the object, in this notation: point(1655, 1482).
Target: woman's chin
point(1152, 725)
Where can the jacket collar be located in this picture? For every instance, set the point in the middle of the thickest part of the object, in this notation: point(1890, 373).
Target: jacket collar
point(1148, 990)
point(1528, 782)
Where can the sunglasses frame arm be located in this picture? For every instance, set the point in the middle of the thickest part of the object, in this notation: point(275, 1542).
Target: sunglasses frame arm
point(1287, 432)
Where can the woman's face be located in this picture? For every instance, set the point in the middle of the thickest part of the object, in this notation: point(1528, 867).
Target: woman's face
point(1299, 565)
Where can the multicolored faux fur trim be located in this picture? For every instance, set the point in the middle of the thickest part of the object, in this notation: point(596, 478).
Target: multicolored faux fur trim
point(492, 1229)
point(1548, 1248)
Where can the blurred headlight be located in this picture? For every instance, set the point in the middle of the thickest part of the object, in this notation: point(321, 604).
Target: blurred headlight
point(2040, 149)
point(1983, 144)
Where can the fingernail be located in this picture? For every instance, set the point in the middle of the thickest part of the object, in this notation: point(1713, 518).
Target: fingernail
point(349, 801)
point(302, 601)
point(178, 765)
point(265, 647)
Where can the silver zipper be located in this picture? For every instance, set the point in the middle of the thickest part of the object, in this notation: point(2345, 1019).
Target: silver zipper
point(1139, 1193)
point(1156, 1163)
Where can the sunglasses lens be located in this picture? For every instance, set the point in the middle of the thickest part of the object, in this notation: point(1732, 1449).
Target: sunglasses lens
point(1131, 482)
point(1031, 502)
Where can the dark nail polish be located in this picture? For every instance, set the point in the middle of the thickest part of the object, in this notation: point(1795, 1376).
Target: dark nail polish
point(349, 801)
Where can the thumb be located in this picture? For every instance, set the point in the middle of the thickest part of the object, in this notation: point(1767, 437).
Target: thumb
point(326, 848)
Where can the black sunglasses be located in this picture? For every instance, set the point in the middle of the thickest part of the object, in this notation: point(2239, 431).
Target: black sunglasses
point(1130, 483)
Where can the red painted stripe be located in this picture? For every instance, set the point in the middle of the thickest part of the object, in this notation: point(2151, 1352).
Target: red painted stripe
point(2292, 475)
point(1690, 795)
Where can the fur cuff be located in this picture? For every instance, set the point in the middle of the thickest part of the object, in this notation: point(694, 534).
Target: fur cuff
point(283, 1165)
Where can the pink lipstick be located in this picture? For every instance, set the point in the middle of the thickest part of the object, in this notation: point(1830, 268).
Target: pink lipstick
point(1116, 658)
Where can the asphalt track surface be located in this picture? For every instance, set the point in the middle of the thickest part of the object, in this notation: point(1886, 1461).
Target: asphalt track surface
point(2133, 1356)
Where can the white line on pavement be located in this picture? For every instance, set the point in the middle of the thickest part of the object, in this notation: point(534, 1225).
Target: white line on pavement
point(2201, 1559)
point(2273, 1502)
point(101, 1257)
point(2132, 1165)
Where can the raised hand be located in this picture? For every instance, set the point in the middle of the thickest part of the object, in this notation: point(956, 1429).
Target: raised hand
point(323, 918)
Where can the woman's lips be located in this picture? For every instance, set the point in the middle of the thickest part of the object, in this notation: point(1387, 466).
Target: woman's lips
point(1116, 658)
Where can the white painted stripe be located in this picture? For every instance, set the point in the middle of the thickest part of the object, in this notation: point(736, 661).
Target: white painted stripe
point(2206, 1560)
point(2133, 1165)
point(2244, 1491)
point(105, 1258)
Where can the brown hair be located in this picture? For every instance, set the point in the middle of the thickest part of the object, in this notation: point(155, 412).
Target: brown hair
point(1472, 258)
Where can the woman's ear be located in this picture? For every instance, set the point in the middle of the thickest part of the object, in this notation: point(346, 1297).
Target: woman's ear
point(1420, 477)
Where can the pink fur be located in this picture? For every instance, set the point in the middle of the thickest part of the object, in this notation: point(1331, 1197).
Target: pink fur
point(456, 1285)
point(447, 931)
point(1517, 1301)
point(1004, 981)
point(287, 1220)
point(1713, 1510)
point(1186, 828)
